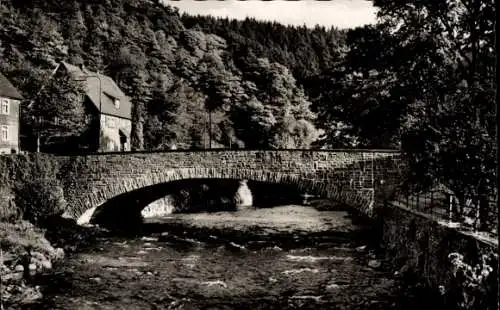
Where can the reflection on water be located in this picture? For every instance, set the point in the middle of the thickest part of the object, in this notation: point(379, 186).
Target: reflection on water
point(202, 266)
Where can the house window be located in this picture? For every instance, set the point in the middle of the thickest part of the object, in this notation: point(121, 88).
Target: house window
point(4, 133)
point(5, 106)
point(117, 103)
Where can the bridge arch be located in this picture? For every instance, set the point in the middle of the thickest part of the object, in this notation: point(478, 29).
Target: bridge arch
point(361, 199)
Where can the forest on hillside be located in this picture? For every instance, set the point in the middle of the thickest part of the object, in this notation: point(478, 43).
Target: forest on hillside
point(182, 80)
point(422, 79)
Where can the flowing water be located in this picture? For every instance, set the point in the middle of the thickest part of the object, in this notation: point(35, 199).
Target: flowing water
point(282, 258)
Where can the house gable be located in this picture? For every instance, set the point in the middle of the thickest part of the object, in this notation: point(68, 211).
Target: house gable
point(7, 90)
point(101, 90)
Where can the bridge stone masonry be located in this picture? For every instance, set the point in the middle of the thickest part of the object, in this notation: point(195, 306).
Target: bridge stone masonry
point(353, 177)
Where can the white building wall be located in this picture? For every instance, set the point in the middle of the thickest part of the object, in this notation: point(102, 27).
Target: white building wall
point(110, 137)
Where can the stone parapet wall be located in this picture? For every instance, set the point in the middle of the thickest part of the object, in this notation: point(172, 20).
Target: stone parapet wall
point(320, 164)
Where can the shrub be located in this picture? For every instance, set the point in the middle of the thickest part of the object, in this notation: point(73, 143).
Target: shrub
point(40, 199)
point(8, 209)
point(475, 283)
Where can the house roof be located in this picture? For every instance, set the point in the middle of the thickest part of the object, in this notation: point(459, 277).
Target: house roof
point(101, 90)
point(8, 90)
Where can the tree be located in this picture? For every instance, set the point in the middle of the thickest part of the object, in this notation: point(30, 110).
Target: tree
point(279, 110)
point(457, 150)
point(129, 69)
point(177, 118)
point(222, 89)
point(255, 123)
point(56, 115)
point(450, 48)
point(208, 67)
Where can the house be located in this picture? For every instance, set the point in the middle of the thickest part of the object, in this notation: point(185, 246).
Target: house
point(107, 105)
point(10, 100)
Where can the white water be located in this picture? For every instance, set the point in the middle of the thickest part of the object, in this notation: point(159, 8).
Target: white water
point(159, 208)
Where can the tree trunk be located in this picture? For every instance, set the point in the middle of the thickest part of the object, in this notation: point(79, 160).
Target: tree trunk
point(457, 208)
point(137, 143)
point(483, 209)
point(210, 129)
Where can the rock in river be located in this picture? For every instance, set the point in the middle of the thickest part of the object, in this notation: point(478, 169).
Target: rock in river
point(373, 263)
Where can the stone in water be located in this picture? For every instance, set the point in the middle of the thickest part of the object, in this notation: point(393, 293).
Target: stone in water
point(243, 198)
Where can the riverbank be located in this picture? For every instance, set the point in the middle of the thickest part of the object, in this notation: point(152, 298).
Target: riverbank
point(29, 252)
point(458, 268)
point(25, 253)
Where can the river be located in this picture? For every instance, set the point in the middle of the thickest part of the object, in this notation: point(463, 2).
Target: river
point(288, 257)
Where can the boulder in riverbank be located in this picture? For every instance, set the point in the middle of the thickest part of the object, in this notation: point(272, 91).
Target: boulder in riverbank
point(18, 238)
point(24, 251)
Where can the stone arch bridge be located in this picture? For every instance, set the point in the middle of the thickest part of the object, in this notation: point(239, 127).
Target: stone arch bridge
point(354, 177)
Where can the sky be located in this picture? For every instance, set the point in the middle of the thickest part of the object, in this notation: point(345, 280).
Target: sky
point(338, 13)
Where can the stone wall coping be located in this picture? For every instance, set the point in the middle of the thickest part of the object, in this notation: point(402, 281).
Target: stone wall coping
point(391, 151)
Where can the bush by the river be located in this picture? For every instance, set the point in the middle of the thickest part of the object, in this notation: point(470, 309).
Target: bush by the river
point(15, 238)
point(8, 209)
point(29, 188)
point(40, 199)
point(32, 232)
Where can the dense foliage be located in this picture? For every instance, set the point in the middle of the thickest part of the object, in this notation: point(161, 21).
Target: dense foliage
point(30, 189)
point(476, 285)
point(40, 199)
point(442, 54)
point(306, 52)
point(56, 113)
